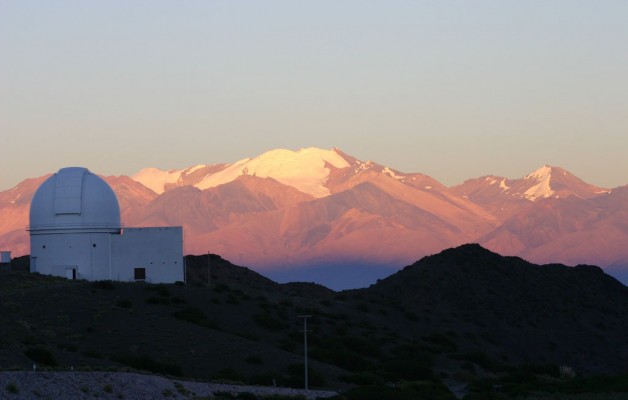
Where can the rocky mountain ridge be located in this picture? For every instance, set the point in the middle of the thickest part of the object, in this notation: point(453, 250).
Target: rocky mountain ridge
point(295, 211)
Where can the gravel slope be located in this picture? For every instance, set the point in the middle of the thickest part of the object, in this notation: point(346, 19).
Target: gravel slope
point(121, 385)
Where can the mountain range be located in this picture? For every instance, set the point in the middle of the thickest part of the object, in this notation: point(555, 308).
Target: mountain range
point(326, 216)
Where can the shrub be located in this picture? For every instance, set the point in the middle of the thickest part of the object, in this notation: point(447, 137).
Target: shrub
point(12, 388)
point(362, 378)
point(408, 369)
point(566, 372)
point(178, 300)
point(552, 370)
point(29, 339)
point(264, 379)
point(108, 388)
point(181, 389)
point(221, 287)
point(163, 291)
point(411, 316)
point(229, 375)
point(91, 353)
point(296, 379)
point(254, 359)
point(158, 300)
point(196, 316)
point(267, 322)
point(103, 285)
point(372, 392)
point(341, 357)
point(41, 355)
point(124, 304)
point(479, 358)
point(414, 391)
point(441, 340)
point(147, 363)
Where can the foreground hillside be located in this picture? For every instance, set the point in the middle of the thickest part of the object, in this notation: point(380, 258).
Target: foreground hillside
point(463, 318)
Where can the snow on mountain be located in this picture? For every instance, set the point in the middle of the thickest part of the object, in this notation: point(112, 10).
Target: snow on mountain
point(311, 205)
point(306, 170)
point(541, 187)
point(156, 179)
point(543, 183)
point(506, 197)
point(160, 181)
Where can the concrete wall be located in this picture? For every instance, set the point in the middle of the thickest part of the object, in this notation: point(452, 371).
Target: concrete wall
point(158, 250)
point(106, 256)
point(87, 253)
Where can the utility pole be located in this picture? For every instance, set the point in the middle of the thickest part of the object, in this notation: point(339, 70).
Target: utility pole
point(305, 317)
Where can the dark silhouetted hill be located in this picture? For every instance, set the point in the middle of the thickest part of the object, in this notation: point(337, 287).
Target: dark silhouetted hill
point(514, 310)
point(463, 315)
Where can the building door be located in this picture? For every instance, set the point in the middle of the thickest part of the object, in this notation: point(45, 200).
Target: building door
point(139, 274)
point(70, 273)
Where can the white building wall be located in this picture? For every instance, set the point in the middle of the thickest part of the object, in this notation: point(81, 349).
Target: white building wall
point(5, 257)
point(158, 250)
point(59, 253)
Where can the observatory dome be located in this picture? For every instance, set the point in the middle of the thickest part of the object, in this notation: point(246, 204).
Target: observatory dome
point(75, 198)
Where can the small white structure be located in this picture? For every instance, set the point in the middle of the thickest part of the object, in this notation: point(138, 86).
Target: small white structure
point(75, 232)
point(5, 260)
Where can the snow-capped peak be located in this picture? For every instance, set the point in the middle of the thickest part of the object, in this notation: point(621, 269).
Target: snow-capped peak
point(541, 187)
point(156, 179)
point(306, 169)
point(541, 174)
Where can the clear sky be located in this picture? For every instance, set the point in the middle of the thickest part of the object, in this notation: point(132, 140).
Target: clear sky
point(452, 89)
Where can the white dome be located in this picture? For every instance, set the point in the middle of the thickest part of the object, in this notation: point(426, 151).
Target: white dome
point(74, 198)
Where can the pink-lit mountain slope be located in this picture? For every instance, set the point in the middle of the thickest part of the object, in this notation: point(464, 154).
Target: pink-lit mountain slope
point(570, 230)
point(262, 222)
point(285, 210)
point(14, 208)
point(505, 197)
point(361, 224)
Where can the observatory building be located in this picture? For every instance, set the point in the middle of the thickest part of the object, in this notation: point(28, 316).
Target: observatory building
point(75, 232)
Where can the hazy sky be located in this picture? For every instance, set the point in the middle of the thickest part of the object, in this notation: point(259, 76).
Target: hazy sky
point(453, 89)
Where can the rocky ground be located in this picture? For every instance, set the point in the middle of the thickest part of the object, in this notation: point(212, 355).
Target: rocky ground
point(122, 385)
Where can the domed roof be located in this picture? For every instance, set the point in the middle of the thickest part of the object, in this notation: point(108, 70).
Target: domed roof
point(74, 198)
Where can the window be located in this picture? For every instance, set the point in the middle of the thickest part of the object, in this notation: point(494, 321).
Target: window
point(139, 274)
